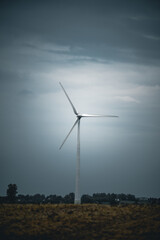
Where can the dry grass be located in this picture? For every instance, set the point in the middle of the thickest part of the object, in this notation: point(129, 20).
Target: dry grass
point(75, 222)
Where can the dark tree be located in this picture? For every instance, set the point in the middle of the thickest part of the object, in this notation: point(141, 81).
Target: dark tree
point(86, 198)
point(11, 192)
point(38, 198)
point(69, 198)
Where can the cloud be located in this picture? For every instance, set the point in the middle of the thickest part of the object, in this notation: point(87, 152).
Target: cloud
point(48, 47)
point(127, 99)
point(25, 92)
point(152, 37)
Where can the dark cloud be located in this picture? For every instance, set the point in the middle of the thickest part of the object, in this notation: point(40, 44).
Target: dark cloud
point(26, 92)
point(107, 29)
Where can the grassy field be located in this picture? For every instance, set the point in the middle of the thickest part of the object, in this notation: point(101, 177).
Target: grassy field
point(74, 222)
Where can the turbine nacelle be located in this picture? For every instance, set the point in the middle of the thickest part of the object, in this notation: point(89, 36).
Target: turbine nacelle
point(79, 115)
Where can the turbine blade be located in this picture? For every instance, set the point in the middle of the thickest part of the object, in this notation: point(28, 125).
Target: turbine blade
point(69, 133)
point(96, 115)
point(74, 109)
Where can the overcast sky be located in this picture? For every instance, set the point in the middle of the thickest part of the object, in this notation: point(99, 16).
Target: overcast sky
point(107, 56)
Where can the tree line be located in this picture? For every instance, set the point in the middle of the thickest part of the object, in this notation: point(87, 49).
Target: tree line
point(99, 198)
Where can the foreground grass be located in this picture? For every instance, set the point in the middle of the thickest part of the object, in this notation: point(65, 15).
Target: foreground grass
point(75, 222)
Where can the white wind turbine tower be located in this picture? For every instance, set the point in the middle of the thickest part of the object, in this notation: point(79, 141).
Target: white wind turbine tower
point(77, 199)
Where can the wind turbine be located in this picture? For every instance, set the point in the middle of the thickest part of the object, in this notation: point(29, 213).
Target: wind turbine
point(77, 199)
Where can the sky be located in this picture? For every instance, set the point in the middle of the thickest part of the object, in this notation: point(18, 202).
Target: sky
point(107, 56)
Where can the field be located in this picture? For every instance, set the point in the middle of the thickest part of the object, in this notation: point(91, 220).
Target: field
point(75, 222)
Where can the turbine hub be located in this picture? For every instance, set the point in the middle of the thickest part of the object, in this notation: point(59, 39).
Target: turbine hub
point(79, 116)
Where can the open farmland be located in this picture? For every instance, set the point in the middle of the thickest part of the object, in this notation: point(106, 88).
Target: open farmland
point(86, 221)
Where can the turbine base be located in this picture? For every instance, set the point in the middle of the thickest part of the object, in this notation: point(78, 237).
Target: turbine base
point(77, 201)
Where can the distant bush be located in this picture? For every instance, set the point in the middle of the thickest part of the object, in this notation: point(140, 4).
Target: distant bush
point(100, 198)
